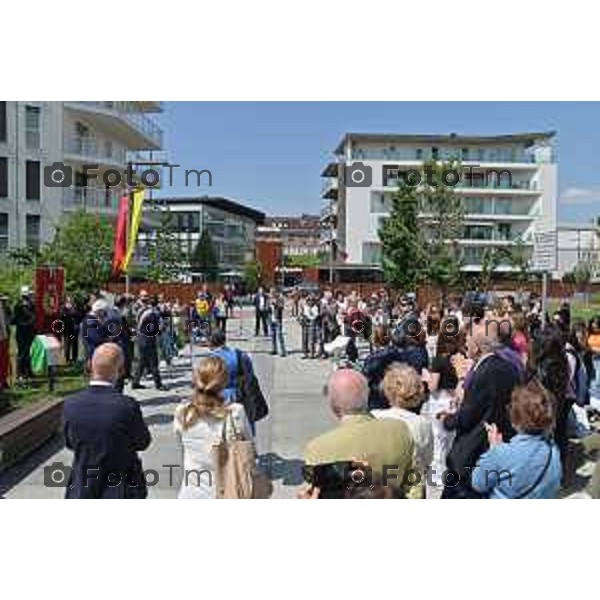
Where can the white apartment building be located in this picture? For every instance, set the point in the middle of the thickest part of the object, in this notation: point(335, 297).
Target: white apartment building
point(34, 135)
point(577, 245)
point(498, 209)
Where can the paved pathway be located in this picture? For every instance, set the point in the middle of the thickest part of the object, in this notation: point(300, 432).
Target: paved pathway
point(298, 412)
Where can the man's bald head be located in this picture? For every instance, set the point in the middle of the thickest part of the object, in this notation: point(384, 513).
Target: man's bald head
point(348, 392)
point(482, 339)
point(107, 363)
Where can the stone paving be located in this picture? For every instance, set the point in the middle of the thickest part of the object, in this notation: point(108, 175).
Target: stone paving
point(298, 412)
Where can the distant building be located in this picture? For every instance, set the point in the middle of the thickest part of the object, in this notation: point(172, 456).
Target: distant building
point(231, 225)
point(499, 209)
point(578, 244)
point(299, 236)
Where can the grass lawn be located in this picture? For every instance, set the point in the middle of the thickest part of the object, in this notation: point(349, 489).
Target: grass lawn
point(68, 380)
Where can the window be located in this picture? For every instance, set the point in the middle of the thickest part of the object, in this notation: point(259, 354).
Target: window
point(419, 153)
point(465, 153)
point(3, 231)
point(32, 127)
point(435, 153)
point(3, 177)
point(32, 231)
point(32, 180)
point(2, 121)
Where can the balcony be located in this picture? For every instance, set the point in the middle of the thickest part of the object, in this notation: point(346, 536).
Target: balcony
point(329, 188)
point(415, 155)
point(91, 199)
point(125, 119)
point(86, 150)
point(328, 213)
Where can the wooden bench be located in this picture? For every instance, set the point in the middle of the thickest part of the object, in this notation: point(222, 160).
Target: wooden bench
point(25, 429)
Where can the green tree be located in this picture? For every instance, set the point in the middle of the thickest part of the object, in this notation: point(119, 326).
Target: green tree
point(519, 259)
point(444, 227)
point(83, 245)
point(582, 275)
point(204, 257)
point(490, 261)
point(165, 258)
point(304, 261)
point(252, 276)
point(402, 241)
point(16, 270)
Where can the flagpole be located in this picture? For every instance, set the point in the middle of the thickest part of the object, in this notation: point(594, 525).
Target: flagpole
point(127, 235)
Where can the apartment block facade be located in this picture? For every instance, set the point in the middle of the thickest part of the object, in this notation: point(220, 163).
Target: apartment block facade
point(34, 135)
point(498, 210)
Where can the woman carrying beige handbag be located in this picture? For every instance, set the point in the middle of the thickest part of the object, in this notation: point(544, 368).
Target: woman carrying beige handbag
point(218, 452)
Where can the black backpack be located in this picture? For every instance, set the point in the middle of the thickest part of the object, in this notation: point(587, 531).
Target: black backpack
point(249, 394)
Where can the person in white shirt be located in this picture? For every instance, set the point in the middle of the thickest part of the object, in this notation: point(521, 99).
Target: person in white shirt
point(403, 389)
point(201, 423)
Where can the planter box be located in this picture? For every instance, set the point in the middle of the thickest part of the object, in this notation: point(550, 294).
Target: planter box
point(25, 429)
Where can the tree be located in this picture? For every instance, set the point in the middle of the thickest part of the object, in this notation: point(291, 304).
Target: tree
point(204, 257)
point(83, 245)
point(304, 261)
point(582, 275)
point(252, 276)
point(165, 257)
point(444, 227)
point(401, 240)
point(16, 270)
point(489, 263)
point(519, 259)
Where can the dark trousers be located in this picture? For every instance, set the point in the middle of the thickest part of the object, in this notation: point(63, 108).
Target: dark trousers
point(23, 359)
point(261, 318)
point(309, 338)
point(277, 335)
point(221, 323)
point(71, 346)
point(147, 361)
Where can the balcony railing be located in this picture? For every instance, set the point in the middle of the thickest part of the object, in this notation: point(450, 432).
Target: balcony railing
point(130, 114)
point(414, 155)
point(90, 198)
point(88, 148)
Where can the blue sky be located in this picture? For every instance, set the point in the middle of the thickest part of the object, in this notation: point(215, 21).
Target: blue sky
point(270, 154)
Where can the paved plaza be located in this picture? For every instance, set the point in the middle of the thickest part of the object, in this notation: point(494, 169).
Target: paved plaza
point(298, 412)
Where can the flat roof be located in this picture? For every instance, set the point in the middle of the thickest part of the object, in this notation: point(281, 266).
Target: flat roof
point(225, 204)
point(443, 138)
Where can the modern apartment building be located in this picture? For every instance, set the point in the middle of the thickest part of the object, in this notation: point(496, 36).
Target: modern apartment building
point(34, 135)
point(498, 209)
point(231, 225)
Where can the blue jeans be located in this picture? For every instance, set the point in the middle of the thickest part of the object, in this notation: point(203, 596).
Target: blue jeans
point(277, 333)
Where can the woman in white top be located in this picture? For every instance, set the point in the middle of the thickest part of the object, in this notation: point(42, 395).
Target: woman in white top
point(403, 389)
point(200, 424)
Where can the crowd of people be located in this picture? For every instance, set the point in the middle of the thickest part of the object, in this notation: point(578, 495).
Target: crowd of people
point(469, 398)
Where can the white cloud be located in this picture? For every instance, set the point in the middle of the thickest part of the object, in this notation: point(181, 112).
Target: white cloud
point(581, 196)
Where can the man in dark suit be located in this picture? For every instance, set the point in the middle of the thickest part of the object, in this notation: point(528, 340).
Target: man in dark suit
point(488, 387)
point(261, 306)
point(105, 430)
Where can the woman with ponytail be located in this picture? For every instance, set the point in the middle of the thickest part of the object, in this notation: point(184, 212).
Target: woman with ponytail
point(200, 423)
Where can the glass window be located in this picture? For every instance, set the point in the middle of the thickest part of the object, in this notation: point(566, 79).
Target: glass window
point(32, 231)
point(32, 180)
point(2, 121)
point(32, 127)
point(3, 177)
point(3, 231)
